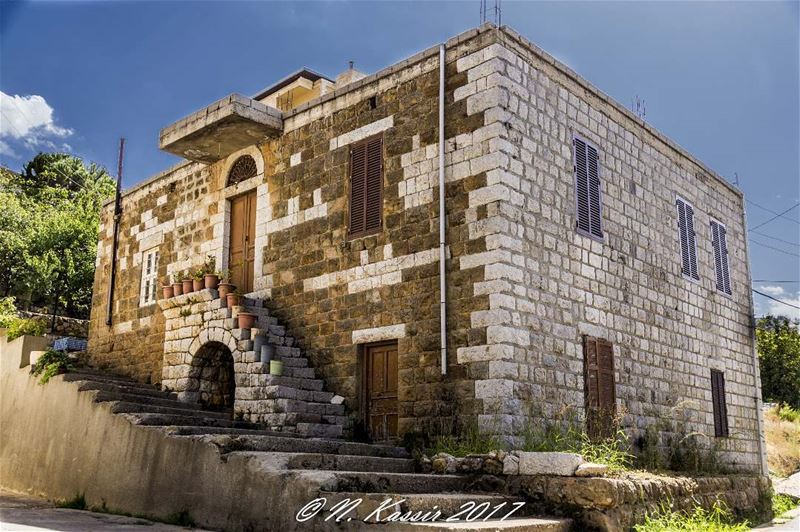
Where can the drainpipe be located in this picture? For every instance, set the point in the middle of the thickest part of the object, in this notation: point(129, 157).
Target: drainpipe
point(762, 454)
point(442, 286)
point(117, 215)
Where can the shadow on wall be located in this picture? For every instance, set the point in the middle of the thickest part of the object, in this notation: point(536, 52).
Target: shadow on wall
point(211, 377)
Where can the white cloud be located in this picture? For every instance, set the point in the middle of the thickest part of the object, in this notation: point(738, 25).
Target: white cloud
point(775, 308)
point(28, 120)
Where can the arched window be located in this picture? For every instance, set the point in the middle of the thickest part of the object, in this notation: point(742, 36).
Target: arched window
point(243, 168)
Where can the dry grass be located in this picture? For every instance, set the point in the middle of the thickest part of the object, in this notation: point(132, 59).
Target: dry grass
point(783, 443)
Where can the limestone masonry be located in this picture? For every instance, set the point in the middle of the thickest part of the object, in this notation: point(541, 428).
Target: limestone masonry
point(593, 266)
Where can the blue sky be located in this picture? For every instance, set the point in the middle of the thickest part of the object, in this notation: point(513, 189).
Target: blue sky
point(719, 78)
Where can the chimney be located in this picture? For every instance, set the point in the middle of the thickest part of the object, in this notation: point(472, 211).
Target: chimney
point(349, 76)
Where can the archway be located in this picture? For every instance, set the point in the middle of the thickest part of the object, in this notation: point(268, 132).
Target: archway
point(212, 376)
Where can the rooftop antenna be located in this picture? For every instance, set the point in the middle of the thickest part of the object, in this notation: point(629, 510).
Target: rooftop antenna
point(497, 12)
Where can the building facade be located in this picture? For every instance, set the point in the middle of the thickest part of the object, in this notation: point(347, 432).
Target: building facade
point(592, 265)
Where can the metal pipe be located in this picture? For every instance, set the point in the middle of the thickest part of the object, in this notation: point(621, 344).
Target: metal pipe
point(442, 257)
point(115, 241)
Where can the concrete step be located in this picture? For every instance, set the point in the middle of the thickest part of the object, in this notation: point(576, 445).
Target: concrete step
point(346, 462)
point(446, 504)
point(319, 430)
point(194, 430)
point(293, 405)
point(127, 407)
point(242, 439)
point(98, 376)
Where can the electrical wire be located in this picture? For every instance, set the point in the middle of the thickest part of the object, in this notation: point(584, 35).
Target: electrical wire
point(775, 299)
point(779, 215)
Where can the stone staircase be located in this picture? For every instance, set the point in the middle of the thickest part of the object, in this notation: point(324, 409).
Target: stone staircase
point(339, 469)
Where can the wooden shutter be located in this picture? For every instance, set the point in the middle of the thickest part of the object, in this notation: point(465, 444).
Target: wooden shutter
point(719, 407)
point(366, 186)
point(588, 211)
point(720, 245)
point(599, 386)
point(687, 239)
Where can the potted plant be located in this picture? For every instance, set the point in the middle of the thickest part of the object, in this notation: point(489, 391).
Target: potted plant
point(186, 279)
point(177, 285)
point(225, 287)
point(197, 280)
point(247, 320)
point(211, 276)
point(234, 298)
point(167, 289)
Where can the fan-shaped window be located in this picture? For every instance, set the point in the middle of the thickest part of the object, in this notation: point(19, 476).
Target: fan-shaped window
point(243, 168)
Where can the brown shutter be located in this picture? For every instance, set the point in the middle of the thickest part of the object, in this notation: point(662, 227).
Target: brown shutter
point(599, 387)
point(366, 186)
point(581, 186)
point(718, 405)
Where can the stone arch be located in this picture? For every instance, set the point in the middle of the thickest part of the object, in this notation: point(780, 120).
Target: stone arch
point(212, 379)
point(230, 162)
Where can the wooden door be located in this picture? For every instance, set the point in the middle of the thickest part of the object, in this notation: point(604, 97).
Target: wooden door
point(380, 383)
point(241, 255)
point(599, 387)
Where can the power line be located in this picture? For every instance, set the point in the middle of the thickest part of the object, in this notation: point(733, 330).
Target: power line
point(777, 216)
point(776, 238)
point(771, 211)
point(775, 299)
point(774, 248)
point(772, 281)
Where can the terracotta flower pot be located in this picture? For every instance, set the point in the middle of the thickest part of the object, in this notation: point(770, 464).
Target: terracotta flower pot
point(187, 286)
point(167, 291)
point(197, 285)
point(225, 289)
point(177, 289)
point(211, 281)
point(246, 320)
point(233, 300)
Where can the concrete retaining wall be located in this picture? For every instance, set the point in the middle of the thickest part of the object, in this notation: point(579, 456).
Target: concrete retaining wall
point(56, 443)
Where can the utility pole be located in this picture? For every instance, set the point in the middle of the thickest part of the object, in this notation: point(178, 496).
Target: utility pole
point(117, 215)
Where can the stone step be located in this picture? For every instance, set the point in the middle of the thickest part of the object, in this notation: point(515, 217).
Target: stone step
point(85, 386)
point(292, 382)
point(368, 482)
point(299, 373)
point(285, 351)
point(156, 419)
point(182, 409)
point(275, 420)
point(447, 504)
point(104, 396)
point(240, 439)
point(98, 376)
point(345, 462)
point(293, 405)
point(295, 362)
point(524, 524)
point(286, 392)
point(319, 430)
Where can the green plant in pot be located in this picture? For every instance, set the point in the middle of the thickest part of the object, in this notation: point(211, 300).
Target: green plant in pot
point(197, 280)
point(225, 287)
point(186, 280)
point(167, 288)
point(234, 298)
point(211, 275)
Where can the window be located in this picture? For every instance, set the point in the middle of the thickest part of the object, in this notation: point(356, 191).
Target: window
point(587, 189)
point(366, 187)
point(149, 286)
point(243, 168)
point(720, 245)
point(687, 238)
point(718, 404)
point(600, 392)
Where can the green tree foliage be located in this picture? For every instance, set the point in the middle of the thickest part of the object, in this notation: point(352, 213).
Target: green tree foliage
point(778, 341)
point(49, 226)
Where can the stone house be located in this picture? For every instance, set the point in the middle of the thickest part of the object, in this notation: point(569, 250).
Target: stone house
point(590, 263)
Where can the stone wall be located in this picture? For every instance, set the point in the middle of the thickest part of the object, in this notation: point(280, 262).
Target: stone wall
point(548, 285)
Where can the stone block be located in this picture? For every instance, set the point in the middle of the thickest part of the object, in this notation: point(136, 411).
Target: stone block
point(591, 470)
point(559, 464)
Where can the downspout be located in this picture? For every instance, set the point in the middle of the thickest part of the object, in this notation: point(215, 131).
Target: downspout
point(442, 284)
point(762, 454)
point(115, 241)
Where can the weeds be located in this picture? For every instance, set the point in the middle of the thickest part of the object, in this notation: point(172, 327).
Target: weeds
point(469, 440)
point(782, 504)
point(50, 364)
point(76, 503)
point(782, 434)
point(718, 519)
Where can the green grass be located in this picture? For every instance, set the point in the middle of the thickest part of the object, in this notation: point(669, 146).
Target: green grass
point(782, 504)
point(717, 519)
point(469, 441)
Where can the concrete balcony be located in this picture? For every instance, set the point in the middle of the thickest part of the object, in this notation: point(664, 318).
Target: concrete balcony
point(222, 128)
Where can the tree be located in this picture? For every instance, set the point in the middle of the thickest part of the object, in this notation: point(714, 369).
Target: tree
point(778, 345)
point(48, 230)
